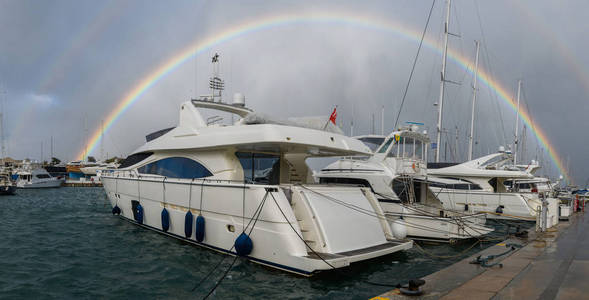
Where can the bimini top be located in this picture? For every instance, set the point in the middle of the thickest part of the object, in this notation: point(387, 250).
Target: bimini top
point(254, 132)
point(485, 166)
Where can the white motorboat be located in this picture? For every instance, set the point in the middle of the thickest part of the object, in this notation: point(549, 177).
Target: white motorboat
point(479, 185)
point(94, 170)
point(34, 178)
point(249, 183)
point(397, 172)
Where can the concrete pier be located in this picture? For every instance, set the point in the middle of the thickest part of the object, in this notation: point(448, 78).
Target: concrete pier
point(551, 265)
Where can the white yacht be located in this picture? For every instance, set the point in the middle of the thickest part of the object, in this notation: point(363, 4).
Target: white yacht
point(396, 172)
point(479, 185)
point(250, 184)
point(34, 178)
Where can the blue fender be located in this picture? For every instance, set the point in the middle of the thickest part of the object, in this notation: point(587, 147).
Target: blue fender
point(116, 210)
point(165, 220)
point(200, 228)
point(188, 224)
point(139, 214)
point(243, 245)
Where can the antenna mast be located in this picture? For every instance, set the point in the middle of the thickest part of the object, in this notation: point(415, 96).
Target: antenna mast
point(216, 84)
point(474, 100)
point(519, 87)
point(443, 82)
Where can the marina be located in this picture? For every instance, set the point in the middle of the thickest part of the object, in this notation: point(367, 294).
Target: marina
point(206, 150)
point(66, 243)
point(551, 265)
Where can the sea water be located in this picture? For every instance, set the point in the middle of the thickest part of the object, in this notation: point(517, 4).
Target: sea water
point(64, 243)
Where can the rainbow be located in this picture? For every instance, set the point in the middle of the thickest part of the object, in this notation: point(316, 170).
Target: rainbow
point(369, 22)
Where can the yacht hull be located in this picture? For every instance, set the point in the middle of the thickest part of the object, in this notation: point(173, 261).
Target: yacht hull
point(231, 208)
point(426, 226)
point(497, 205)
point(39, 185)
point(7, 190)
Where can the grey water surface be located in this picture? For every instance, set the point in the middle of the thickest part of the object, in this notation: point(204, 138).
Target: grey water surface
point(65, 243)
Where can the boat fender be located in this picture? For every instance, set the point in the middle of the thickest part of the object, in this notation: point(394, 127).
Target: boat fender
point(499, 209)
point(139, 214)
point(243, 245)
point(399, 229)
point(188, 224)
point(199, 230)
point(116, 210)
point(165, 220)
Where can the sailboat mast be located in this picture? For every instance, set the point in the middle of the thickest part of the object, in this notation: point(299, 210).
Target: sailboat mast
point(102, 140)
point(382, 121)
point(519, 87)
point(474, 100)
point(2, 129)
point(443, 82)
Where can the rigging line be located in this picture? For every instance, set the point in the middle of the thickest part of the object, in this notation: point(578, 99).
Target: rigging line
point(259, 211)
point(451, 220)
point(190, 194)
point(371, 213)
point(488, 62)
point(414, 64)
point(243, 208)
point(418, 247)
point(202, 186)
point(225, 256)
point(317, 254)
point(504, 222)
point(433, 68)
point(528, 110)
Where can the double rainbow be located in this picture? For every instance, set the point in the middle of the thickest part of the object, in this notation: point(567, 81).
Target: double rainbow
point(369, 22)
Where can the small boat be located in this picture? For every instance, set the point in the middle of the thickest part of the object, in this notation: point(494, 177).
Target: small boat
point(7, 185)
point(37, 178)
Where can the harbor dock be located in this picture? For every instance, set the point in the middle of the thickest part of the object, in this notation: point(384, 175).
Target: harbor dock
point(549, 265)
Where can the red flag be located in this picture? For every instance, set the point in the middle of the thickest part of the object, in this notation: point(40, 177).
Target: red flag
point(333, 116)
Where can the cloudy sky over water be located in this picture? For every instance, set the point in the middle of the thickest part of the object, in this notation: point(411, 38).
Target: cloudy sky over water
point(65, 65)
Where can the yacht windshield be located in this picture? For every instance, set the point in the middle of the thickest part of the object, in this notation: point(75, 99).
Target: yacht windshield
point(372, 142)
point(385, 146)
point(260, 168)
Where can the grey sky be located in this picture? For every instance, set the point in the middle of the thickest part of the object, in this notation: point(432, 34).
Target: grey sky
point(64, 64)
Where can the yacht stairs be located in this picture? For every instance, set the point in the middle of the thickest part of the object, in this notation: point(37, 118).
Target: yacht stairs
point(362, 234)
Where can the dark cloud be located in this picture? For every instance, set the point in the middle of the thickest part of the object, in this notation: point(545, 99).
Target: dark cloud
point(66, 64)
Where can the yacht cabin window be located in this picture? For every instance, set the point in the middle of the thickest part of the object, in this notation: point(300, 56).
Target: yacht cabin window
point(385, 146)
point(407, 145)
point(176, 167)
point(41, 176)
point(260, 168)
point(418, 149)
point(134, 159)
